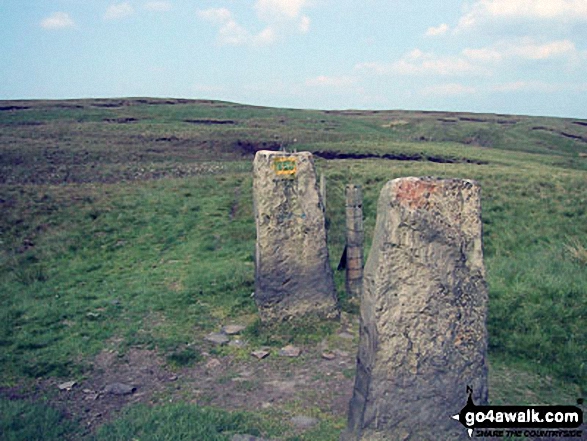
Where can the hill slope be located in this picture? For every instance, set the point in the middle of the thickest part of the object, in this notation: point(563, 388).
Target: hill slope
point(66, 141)
point(127, 234)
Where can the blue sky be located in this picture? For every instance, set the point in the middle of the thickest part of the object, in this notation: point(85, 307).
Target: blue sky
point(498, 56)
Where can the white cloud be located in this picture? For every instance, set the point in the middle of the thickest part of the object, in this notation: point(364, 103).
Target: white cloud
point(536, 8)
point(420, 63)
point(482, 61)
point(216, 15)
point(57, 20)
point(266, 36)
point(448, 89)
point(533, 51)
point(486, 54)
point(532, 86)
point(374, 67)
point(326, 81)
point(232, 33)
point(304, 24)
point(438, 30)
point(271, 9)
point(280, 17)
point(118, 11)
point(525, 48)
point(283, 15)
point(487, 10)
point(158, 6)
point(525, 86)
point(539, 86)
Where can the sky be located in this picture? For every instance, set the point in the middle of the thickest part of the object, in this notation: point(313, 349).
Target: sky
point(526, 57)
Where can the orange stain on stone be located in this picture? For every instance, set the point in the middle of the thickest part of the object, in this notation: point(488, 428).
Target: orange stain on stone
point(415, 193)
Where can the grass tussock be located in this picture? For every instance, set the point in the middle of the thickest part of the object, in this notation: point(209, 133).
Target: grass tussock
point(577, 251)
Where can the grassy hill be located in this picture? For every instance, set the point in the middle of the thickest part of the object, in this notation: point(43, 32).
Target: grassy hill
point(127, 235)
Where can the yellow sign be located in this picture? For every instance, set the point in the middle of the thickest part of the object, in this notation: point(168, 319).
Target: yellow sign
point(285, 165)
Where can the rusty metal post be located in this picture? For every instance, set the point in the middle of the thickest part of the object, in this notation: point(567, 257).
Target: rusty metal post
point(354, 240)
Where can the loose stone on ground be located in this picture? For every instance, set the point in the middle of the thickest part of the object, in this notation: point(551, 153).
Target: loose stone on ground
point(260, 354)
point(233, 329)
point(247, 438)
point(119, 389)
point(290, 351)
point(304, 422)
point(68, 385)
point(217, 338)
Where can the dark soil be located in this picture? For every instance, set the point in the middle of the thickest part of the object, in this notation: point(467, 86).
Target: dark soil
point(561, 133)
point(209, 122)
point(326, 154)
point(252, 147)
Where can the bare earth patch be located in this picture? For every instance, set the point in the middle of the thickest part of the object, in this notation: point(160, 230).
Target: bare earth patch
point(307, 384)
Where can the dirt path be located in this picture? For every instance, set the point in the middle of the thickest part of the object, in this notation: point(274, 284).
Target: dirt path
point(306, 384)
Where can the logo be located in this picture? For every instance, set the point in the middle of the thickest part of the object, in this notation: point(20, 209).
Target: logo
point(285, 166)
point(515, 421)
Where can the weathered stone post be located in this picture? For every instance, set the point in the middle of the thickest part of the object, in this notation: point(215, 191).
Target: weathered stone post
point(292, 272)
point(354, 241)
point(423, 335)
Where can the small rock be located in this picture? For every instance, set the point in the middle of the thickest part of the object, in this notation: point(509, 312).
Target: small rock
point(304, 422)
point(233, 329)
point(172, 378)
point(290, 351)
point(237, 343)
point(247, 438)
point(260, 354)
point(328, 355)
point(119, 389)
point(217, 338)
point(243, 438)
point(341, 353)
point(346, 335)
point(68, 385)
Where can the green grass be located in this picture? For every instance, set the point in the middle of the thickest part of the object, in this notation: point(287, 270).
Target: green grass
point(149, 263)
point(178, 422)
point(141, 235)
point(309, 330)
point(23, 420)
